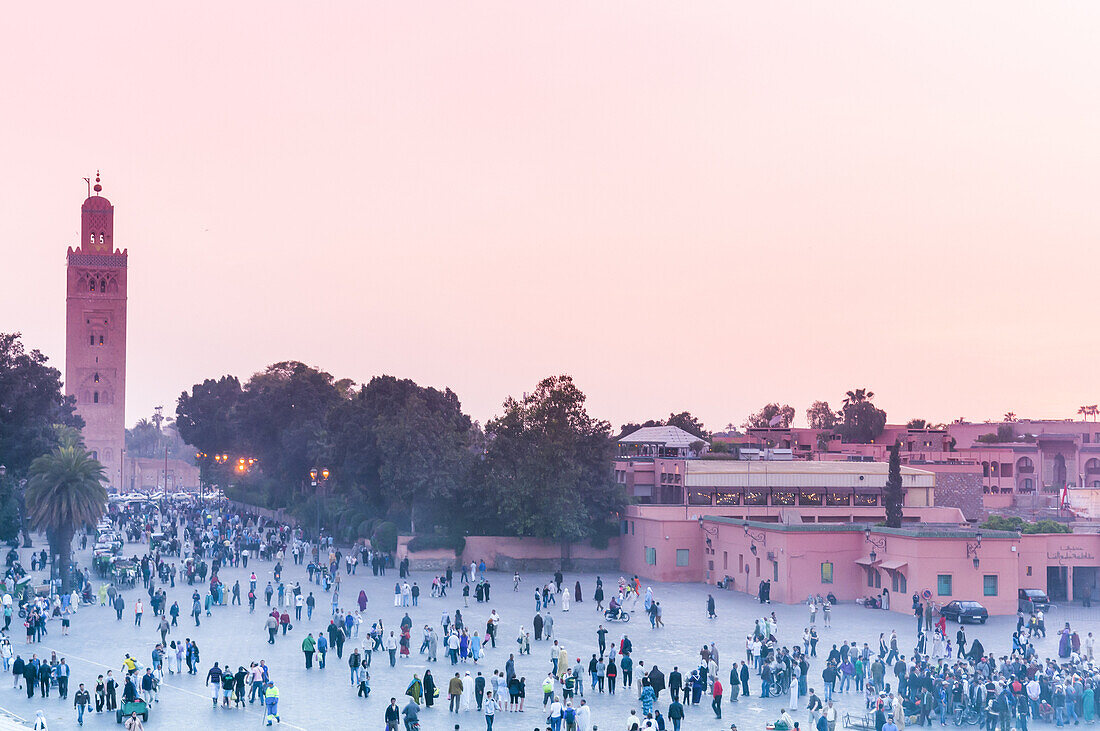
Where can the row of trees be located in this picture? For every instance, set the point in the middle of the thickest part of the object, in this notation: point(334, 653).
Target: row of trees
point(407, 454)
point(858, 419)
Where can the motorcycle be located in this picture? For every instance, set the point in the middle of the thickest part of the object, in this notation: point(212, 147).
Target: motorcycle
point(616, 615)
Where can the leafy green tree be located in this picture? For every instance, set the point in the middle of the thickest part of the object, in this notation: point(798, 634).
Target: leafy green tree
point(893, 496)
point(1004, 433)
point(281, 418)
point(821, 416)
point(545, 472)
point(916, 424)
point(206, 417)
point(384, 537)
point(65, 493)
point(406, 449)
point(772, 415)
point(860, 421)
point(31, 405)
point(684, 420)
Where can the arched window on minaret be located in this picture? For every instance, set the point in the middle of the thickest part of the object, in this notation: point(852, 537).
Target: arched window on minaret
point(96, 378)
point(103, 286)
point(91, 339)
point(95, 397)
point(101, 237)
point(91, 239)
point(91, 285)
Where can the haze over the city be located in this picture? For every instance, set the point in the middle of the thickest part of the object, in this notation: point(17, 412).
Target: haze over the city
point(659, 199)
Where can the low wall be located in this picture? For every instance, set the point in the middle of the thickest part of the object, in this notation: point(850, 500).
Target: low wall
point(505, 553)
point(279, 515)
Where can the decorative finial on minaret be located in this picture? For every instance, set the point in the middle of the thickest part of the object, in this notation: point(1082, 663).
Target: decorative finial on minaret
point(97, 187)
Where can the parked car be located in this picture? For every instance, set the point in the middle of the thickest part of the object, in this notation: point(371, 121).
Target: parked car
point(1033, 600)
point(961, 611)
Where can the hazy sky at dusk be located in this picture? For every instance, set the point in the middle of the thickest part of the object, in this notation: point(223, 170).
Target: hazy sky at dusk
point(686, 205)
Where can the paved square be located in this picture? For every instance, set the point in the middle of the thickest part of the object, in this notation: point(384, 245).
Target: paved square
point(325, 699)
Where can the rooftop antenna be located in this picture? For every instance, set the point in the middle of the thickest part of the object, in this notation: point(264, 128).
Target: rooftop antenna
point(89, 182)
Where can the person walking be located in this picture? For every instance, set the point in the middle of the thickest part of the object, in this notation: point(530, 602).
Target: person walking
point(393, 715)
point(489, 707)
point(81, 700)
point(454, 693)
point(271, 703)
point(716, 693)
point(309, 646)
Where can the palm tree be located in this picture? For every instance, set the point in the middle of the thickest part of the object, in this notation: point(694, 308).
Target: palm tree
point(1094, 409)
point(64, 493)
point(858, 396)
point(1084, 411)
point(1010, 416)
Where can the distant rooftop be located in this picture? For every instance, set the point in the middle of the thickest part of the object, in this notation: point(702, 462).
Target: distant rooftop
point(801, 467)
point(668, 436)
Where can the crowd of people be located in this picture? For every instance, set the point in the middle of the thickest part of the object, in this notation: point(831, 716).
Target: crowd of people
point(940, 678)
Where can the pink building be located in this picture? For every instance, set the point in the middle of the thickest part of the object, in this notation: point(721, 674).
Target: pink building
point(852, 560)
point(95, 332)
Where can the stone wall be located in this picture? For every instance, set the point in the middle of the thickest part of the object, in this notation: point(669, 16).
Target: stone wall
point(962, 490)
point(503, 553)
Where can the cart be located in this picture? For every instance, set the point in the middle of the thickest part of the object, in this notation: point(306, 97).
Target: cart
point(125, 573)
point(138, 706)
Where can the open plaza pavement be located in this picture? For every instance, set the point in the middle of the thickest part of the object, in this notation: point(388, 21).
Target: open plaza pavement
point(326, 699)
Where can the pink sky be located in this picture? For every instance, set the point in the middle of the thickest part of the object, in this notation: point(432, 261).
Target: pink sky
point(694, 205)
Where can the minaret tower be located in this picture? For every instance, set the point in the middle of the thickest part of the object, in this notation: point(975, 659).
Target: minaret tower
point(95, 333)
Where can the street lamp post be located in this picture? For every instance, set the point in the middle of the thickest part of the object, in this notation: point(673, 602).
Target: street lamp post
point(318, 478)
point(219, 458)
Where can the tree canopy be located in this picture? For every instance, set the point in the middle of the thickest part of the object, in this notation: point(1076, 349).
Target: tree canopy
point(545, 471)
point(403, 448)
point(772, 415)
point(821, 416)
point(860, 421)
point(32, 404)
point(404, 454)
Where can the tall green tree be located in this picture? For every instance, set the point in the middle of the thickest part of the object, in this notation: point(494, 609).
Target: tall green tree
point(406, 448)
point(860, 420)
point(207, 417)
point(281, 418)
point(64, 494)
point(545, 471)
point(894, 495)
point(689, 423)
point(31, 405)
point(821, 416)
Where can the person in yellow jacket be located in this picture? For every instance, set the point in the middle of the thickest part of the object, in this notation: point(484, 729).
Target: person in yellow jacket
point(271, 703)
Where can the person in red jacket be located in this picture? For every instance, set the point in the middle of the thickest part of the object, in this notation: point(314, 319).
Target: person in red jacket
point(716, 704)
